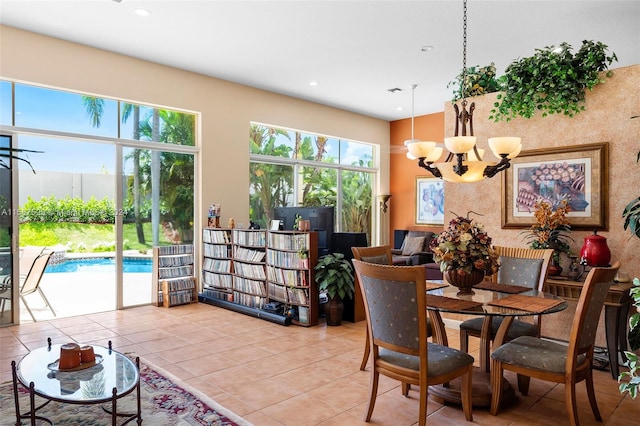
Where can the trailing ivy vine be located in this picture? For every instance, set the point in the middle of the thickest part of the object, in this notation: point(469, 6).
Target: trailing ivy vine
point(552, 81)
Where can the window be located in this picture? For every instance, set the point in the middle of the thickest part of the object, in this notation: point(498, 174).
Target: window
point(292, 168)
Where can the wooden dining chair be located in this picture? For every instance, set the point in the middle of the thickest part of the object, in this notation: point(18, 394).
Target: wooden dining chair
point(518, 266)
point(380, 255)
point(395, 302)
point(550, 361)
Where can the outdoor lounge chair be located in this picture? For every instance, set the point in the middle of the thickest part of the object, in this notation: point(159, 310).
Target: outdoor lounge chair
point(31, 283)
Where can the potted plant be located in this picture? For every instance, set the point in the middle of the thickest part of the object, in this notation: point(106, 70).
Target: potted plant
point(334, 275)
point(303, 255)
point(476, 82)
point(552, 81)
point(464, 253)
point(630, 380)
point(550, 231)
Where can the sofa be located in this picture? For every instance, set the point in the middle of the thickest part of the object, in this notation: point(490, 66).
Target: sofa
point(412, 248)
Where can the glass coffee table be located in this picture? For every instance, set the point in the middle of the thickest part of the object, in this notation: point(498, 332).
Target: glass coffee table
point(110, 378)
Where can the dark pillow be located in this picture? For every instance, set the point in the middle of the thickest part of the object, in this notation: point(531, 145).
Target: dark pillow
point(381, 259)
point(519, 271)
point(412, 245)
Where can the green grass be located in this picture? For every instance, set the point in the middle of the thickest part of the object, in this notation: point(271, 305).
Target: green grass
point(80, 237)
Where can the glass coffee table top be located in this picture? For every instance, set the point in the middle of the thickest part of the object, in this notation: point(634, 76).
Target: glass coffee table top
point(91, 385)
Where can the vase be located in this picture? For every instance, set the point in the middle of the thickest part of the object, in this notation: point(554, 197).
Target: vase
point(554, 270)
point(595, 251)
point(333, 311)
point(464, 281)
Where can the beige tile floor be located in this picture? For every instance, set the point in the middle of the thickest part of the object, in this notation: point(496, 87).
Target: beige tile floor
point(276, 375)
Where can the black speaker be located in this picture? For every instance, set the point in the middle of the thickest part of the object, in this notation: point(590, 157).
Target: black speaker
point(341, 242)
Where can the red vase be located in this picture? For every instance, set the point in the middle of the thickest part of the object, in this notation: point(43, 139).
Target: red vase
point(595, 251)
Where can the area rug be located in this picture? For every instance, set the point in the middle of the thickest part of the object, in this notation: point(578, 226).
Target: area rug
point(163, 402)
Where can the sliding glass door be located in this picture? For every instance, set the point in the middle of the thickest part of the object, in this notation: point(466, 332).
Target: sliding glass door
point(157, 210)
point(68, 206)
point(7, 301)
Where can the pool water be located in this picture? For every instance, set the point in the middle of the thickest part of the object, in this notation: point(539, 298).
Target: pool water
point(101, 264)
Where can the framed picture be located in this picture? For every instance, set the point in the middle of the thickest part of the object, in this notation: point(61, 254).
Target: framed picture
point(429, 201)
point(577, 173)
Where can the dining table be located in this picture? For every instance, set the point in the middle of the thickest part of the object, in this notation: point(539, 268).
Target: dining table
point(488, 300)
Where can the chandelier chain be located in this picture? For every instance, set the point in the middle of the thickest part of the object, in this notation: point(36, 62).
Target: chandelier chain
point(464, 53)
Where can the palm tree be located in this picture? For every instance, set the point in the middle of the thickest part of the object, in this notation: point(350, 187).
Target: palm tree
point(127, 109)
point(7, 154)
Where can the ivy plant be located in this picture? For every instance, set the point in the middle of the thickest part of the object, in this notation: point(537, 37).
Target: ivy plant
point(631, 213)
point(552, 81)
point(630, 380)
point(476, 81)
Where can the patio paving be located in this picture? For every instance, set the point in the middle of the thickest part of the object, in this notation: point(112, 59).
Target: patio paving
point(80, 293)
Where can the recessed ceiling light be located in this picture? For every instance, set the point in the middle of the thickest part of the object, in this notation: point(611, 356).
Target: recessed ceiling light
point(427, 48)
point(399, 108)
point(143, 12)
point(313, 83)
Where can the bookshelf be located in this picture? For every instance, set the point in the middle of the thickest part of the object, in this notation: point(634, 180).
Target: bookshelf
point(290, 277)
point(217, 263)
point(249, 279)
point(173, 274)
point(180, 291)
point(266, 271)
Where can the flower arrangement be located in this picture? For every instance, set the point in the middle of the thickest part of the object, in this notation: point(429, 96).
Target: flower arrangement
point(464, 247)
point(550, 228)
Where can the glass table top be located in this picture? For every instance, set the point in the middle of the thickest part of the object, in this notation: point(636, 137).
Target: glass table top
point(91, 385)
point(488, 302)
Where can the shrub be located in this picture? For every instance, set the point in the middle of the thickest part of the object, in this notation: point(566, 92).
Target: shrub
point(74, 210)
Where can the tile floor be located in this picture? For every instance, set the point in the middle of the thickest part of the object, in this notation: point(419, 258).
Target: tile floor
point(276, 375)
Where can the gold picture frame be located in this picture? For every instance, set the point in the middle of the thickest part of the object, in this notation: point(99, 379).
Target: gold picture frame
point(429, 201)
point(578, 173)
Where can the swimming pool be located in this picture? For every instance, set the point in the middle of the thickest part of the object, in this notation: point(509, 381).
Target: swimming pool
point(101, 264)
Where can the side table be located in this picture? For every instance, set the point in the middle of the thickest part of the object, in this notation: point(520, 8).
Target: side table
point(108, 380)
point(616, 314)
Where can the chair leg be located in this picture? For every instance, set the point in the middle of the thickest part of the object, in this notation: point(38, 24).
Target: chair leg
point(365, 356)
point(46, 301)
point(405, 389)
point(467, 383)
point(464, 341)
point(27, 306)
point(592, 397)
point(373, 392)
point(523, 384)
point(571, 403)
point(496, 386)
point(422, 411)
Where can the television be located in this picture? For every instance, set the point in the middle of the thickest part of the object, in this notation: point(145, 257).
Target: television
point(321, 220)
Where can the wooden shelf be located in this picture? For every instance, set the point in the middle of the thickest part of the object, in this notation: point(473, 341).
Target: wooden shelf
point(172, 265)
point(264, 267)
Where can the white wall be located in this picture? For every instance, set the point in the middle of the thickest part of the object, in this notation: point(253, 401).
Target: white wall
point(226, 108)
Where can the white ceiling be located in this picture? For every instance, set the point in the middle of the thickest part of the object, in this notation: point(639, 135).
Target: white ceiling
point(355, 50)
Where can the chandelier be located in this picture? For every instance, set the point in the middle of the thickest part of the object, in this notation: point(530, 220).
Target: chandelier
point(464, 161)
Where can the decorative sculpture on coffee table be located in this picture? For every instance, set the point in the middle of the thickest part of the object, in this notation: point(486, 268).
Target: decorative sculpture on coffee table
point(464, 253)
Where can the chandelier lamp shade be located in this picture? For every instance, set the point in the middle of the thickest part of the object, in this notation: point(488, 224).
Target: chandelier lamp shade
point(464, 162)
